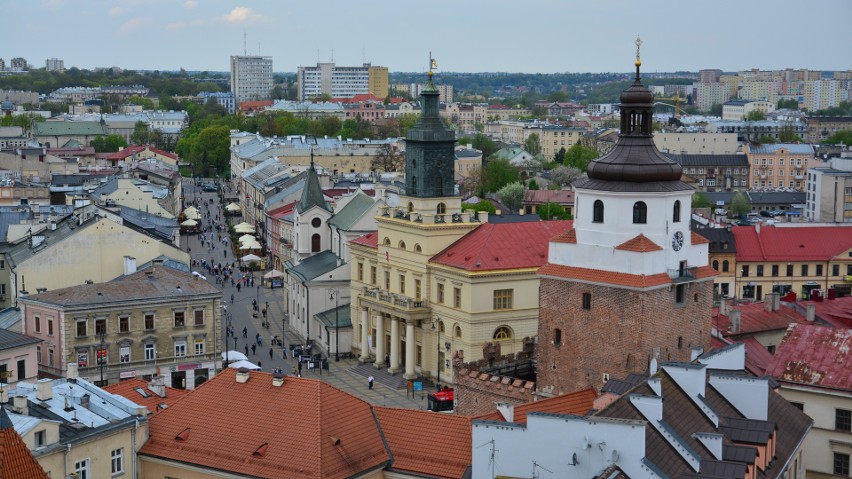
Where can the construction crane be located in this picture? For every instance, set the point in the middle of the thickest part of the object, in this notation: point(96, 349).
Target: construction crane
point(676, 106)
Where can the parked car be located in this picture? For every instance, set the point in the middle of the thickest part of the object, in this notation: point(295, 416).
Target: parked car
point(765, 214)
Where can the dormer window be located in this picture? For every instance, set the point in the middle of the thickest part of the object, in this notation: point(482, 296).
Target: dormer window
point(640, 213)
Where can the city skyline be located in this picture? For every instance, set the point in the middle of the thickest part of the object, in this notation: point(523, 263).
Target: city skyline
point(472, 37)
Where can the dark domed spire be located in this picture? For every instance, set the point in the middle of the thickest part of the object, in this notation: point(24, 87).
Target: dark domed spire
point(635, 159)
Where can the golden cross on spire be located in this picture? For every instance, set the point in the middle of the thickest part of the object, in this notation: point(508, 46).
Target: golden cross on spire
point(638, 44)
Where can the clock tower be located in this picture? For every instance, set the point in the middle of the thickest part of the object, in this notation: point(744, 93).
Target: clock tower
point(630, 282)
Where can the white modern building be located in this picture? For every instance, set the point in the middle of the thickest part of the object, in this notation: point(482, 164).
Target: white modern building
point(251, 77)
point(54, 65)
point(225, 99)
point(341, 82)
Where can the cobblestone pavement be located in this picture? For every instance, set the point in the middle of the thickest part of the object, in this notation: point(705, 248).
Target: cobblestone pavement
point(344, 374)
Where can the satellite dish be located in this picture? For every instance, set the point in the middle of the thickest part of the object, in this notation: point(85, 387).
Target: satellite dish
point(574, 460)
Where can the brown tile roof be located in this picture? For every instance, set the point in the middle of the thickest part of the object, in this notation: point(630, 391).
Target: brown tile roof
point(754, 318)
point(417, 438)
point(164, 283)
point(304, 428)
point(128, 389)
point(639, 244)
point(606, 277)
point(569, 236)
point(814, 355)
point(370, 240)
point(540, 197)
point(698, 239)
point(579, 403)
point(16, 461)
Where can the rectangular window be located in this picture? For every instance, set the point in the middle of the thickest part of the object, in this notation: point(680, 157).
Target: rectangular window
point(199, 317)
point(841, 464)
point(680, 294)
point(50, 325)
point(503, 299)
point(180, 319)
point(760, 270)
point(587, 300)
point(835, 270)
point(402, 284)
point(819, 270)
point(149, 320)
point(124, 354)
point(37, 324)
point(843, 420)
point(360, 271)
point(387, 280)
point(123, 324)
point(40, 438)
point(199, 346)
point(440, 293)
point(150, 352)
point(418, 285)
point(50, 357)
point(457, 297)
point(804, 270)
point(745, 271)
point(372, 275)
point(82, 330)
point(180, 349)
point(38, 354)
point(418, 358)
point(82, 469)
point(789, 270)
point(117, 461)
point(100, 326)
point(774, 270)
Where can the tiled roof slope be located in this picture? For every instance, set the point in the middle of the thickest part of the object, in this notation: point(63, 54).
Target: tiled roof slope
point(639, 244)
point(569, 237)
point(562, 197)
point(304, 428)
point(604, 277)
point(817, 243)
point(370, 240)
point(128, 389)
point(502, 246)
point(16, 461)
point(754, 318)
point(577, 403)
point(11, 339)
point(814, 355)
point(836, 312)
point(417, 439)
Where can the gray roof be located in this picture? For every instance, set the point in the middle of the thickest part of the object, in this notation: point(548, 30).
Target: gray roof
point(9, 317)
point(709, 160)
point(352, 212)
point(771, 148)
point(314, 266)
point(760, 198)
point(289, 190)
point(721, 239)
point(157, 225)
point(342, 319)
point(11, 339)
point(163, 283)
point(8, 218)
point(66, 128)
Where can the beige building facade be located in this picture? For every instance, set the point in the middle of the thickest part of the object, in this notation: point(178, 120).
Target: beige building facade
point(696, 143)
point(779, 165)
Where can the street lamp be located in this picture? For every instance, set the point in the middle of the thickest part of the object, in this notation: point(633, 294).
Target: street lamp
point(436, 326)
point(102, 356)
point(333, 294)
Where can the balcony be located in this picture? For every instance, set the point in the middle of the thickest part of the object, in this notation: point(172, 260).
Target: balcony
point(396, 304)
point(683, 275)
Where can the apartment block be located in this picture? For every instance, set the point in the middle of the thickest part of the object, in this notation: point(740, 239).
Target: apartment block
point(341, 82)
point(251, 77)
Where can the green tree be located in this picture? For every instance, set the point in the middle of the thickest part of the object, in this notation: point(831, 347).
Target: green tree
point(700, 200)
point(210, 151)
point(789, 103)
point(145, 103)
point(755, 115)
point(140, 135)
point(579, 156)
point(387, 159)
point(740, 204)
point(512, 195)
point(559, 157)
point(788, 134)
point(553, 211)
point(484, 144)
point(763, 139)
point(843, 136)
point(25, 121)
point(564, 175)
point(533, 185)
point(497, 174)
point(108, 144)
point(533, 144)
point(482, 205)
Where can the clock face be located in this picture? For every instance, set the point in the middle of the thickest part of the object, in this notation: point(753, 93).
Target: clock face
point(677, 241)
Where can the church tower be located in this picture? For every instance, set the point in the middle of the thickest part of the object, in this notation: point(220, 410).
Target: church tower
point(630, 282)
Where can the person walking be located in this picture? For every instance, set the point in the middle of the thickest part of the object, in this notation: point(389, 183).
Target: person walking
point(370, 382)
point(245, 332)
point(387, 361)
point(253, 348)
point(246, 349)
point(270, 353)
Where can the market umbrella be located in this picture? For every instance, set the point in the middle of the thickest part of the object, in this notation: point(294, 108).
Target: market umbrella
point(250, 257)
point(196, 273)
point(232, 207)
point(243, 224)
point(234, 356)
point(189, 222)
point(247, 237)
point(243, 364)
point(273, 274)
point(244, 230)
point(251, 246)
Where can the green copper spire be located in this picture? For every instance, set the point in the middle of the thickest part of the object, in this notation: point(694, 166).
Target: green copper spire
point(312, 193)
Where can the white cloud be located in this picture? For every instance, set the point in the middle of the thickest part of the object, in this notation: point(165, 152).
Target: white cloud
point(52, 5)
point(190, 4)
point(132, 24)
point(178, 25)
point(242, 15)
point(114, 11)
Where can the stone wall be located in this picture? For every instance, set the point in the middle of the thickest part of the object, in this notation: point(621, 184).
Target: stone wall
point(477, 392)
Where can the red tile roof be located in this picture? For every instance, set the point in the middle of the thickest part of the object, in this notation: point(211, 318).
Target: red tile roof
point(304, 428)
point(16, 461)
point(539, 197)
point(502, 246)
point(836, 312)
point(254, 105)
point(757, 357)
point(639, 244)
point(128, 389)
point(755, 319)
point(418, 438)
point(370, 240)
point(698, 239)
point(579, 403)
point(569, 236)
point(605, 277)
point(335, 193)
point(814, 355)
point(135, 149)
point(283, 210)
point(807, 243)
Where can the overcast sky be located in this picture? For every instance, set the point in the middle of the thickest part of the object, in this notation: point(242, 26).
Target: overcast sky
point(464, 35)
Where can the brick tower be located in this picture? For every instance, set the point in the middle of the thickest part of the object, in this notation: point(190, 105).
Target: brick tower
point(629, 282)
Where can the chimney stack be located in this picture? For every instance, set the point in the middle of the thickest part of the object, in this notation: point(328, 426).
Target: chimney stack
point(776, 301)
point(278, 379)
point(129, 265)
point(242, 375)
point(507, 410)
point(44, 389)
point(157, 385)
point(723, 307)
point(735, 316)
point(19, 405)
point(757, 227)
point(810, 312)
point(72, 371)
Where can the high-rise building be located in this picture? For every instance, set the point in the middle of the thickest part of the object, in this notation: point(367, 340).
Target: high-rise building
point(251, 78)
point(709, 94)
point(709, 76)
point(341, 82)
point(54, 65)
point(2, 65)
point(445, 92)
point(18, 64)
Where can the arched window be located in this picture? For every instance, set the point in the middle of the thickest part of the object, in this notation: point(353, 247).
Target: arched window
point(417, 248)
point(442, 209)
point(676, 212)
point(716, 265)
point(598, 212)
point(725, 266)
point(457, 331)
point(502, 333)
point(386, 241)
point(640, 213)
point(401, 245)
point(315, 243)
point(440, 326)
point(557, 337)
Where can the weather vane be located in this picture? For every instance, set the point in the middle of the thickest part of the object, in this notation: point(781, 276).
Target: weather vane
point(433, 64)
point(638, 44)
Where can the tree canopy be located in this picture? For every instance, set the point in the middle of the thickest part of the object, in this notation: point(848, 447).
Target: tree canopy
point(740, 204)
point(533, 144)
point(512, 195)
point(579, 156)
point(564, 175)
point(387, 159)
point(553, 211)
point(700, 200)
point(843, 136)
point(108, 144)
point(497, 174)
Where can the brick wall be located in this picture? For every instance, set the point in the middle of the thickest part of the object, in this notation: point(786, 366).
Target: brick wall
point(618, 335)
point(478, 392)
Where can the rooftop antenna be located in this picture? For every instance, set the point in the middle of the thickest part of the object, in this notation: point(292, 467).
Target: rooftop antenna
point(363, 52)
point(332, 55)
point(538, 466)
point(245, 50)
point(492, 456)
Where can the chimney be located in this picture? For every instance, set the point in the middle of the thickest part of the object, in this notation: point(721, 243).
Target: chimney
point(810, 312)
point(4, 395)
point(157, 385)
point(278, 379)
point(507, 410)
point(767, 302)
point(757, 228)
point(71, 371)
point(44, 391)
point(242, 375)
point(776, 301)
point(723, 307)
point(19, 405)
point(735, 316)
point(129, 265)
